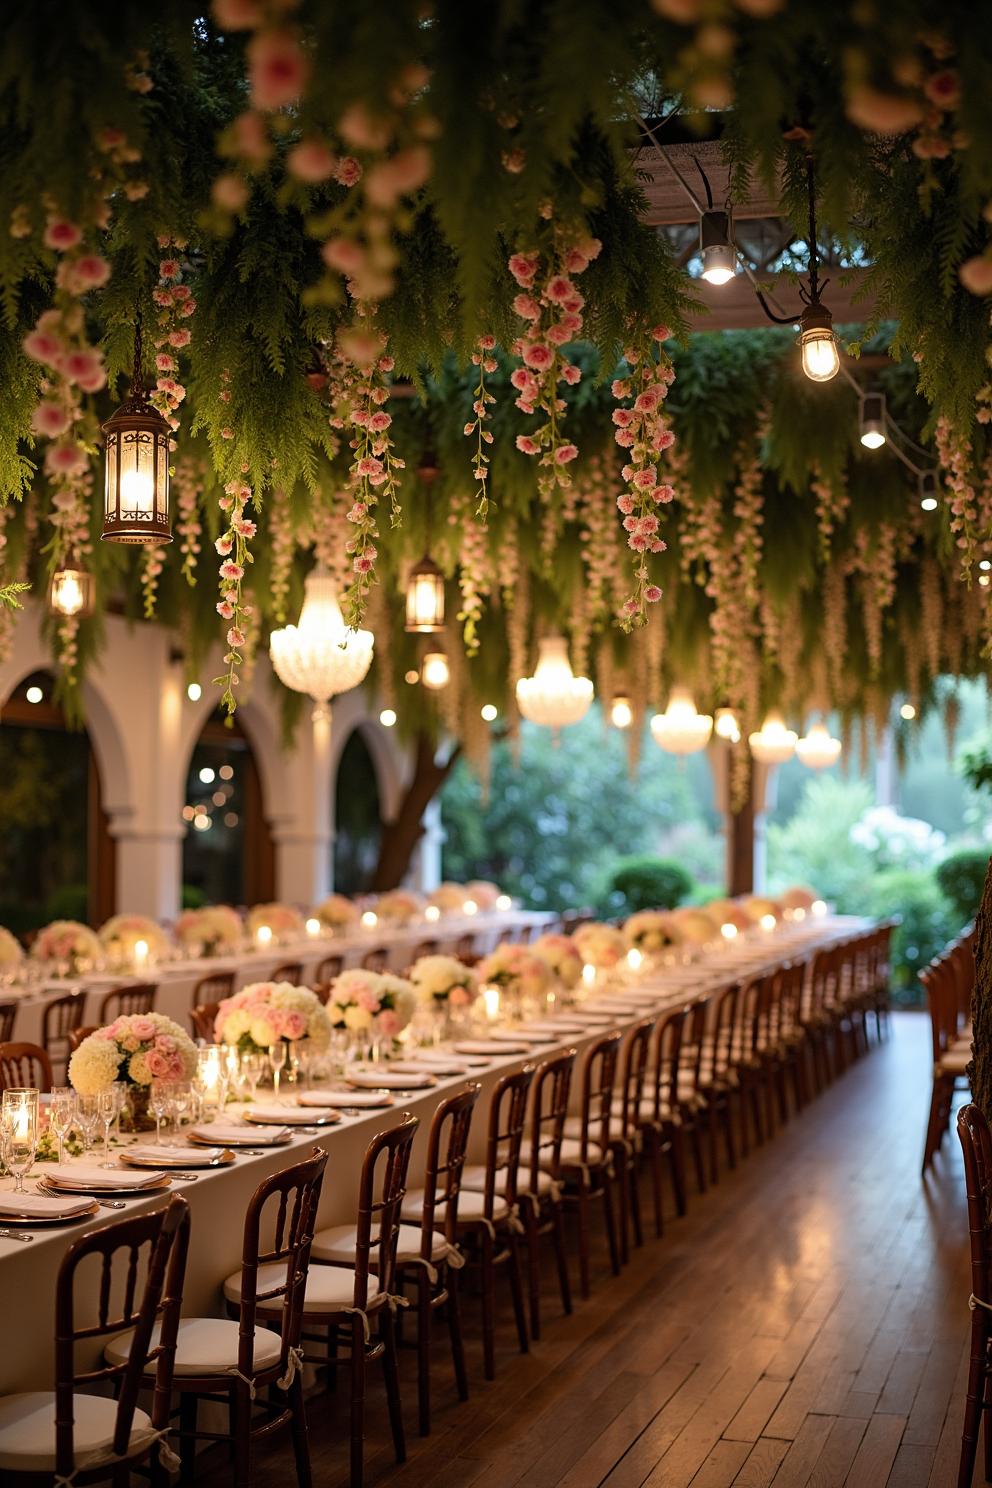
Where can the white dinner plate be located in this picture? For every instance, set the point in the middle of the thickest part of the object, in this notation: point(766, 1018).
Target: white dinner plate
point(177, 1157)
point(240, 1136)
point(492, 1048)
point(388, 1079)
point(291, 1116)
point(372, 1099)
point(418, 1066)
point(522, 1036)
point(17, 1218)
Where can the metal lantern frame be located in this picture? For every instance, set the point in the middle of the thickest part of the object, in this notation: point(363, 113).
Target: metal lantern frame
point(137, 441)
point(425, 598)
point(69, 571)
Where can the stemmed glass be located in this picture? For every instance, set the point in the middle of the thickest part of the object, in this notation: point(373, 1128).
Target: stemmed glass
point(62, 1115)
point(277, 1059)
point(182, 1104)
point(122, 1092)
point(252, 1069)
point(159, 1102)
point(106, 1105)
point(302, 1049)
point(87, 1118)
point(19, 1141)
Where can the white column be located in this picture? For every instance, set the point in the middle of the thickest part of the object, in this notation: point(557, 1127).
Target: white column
point(302, 833)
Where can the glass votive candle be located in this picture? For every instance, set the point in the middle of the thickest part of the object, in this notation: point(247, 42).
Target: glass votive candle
point(263, 937)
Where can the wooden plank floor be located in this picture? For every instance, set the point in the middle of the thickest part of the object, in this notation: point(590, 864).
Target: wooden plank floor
point(805, 1324)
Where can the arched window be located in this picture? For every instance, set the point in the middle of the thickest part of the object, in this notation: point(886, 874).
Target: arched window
point(357, 817)
point(57, 857)
point(228, 853)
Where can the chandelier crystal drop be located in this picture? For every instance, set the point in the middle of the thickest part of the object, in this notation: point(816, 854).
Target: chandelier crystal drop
point(773, 744)
point(554, 696)
point(817, 750)
point(680, 729)
point(321, 656)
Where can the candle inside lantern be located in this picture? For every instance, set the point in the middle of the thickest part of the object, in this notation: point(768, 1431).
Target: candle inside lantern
point(767, 922)
point(263, 936)
point(370, 919)
point(588, 974)
point(432, 913)
point(20, 1112)
point(634, 958)
point(208, 1073)
point(490, 999)
point(470, 907)
point(504, 902)
point(313, 926)
point(138, 487)
point(141, 953)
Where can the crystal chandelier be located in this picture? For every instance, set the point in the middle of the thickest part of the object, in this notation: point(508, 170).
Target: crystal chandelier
point(818, 751)
point(680, 729)
point(554, 697)
point(774, 743)
point(321, 655)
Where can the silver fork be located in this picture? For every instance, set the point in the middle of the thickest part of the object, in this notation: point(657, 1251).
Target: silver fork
point(44, 1188)
point(15, 1235)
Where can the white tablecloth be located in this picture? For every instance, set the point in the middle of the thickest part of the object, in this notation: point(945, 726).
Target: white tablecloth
point(218, 1199)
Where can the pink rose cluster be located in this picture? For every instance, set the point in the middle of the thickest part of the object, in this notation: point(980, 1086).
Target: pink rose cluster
point(641, 428)
point(166, 1054)
point(265, 1014)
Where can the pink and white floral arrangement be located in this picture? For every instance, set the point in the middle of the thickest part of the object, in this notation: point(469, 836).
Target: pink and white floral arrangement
point(756, 907)
point(483, 893)
point(371, 1002)
point(559, 954)
point(696, 926)
point(449, 897)
point(11, 953)
point(337, 913)
point(399, 906)
point(285, 922)
point(68, 945)
point(443, 981)
point(263, 1013)
point(517, 969)
point(651, 930)
point(213, 931)
point(600, 945)
point(136, 1048)
point(120, 935)
point(798, 897)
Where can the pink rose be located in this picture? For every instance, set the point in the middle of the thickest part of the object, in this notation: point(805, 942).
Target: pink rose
point(143, 1028)
point(60, 234)
point(294, 1025)
point(458, 997)
point(159, 1064)
point(311, 161)
point(389, 1023)
point(277, 69)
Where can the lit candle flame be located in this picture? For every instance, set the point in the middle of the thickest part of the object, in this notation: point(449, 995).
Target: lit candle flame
point(264, 935)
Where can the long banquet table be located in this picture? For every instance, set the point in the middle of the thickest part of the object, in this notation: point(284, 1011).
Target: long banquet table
point(176, 980)
point(218, 1198)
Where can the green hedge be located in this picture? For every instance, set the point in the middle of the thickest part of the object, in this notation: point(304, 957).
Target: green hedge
point(962, 879)
point(645, 882)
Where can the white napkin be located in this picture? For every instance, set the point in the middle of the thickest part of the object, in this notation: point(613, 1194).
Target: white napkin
point(331, 1098)
point(170, 1156)
point(273, 1115)
point(239, 1136)
point(41, 1206)
point(87, 1175)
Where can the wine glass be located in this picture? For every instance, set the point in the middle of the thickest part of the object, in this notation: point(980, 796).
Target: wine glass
point(277, 1059)
point(159, 1102)
point(62, 1115)
point(252, 1069)
point(20, 1142)
point(183, 1102)
point(106, 1105)
point(122, 1094)
point(87, 1118)
point(303, 1063)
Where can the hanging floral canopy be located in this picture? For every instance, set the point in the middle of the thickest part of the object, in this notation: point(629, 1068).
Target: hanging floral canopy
point(385, 276)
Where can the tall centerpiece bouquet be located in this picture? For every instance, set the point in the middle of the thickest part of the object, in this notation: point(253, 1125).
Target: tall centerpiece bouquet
point(136, 1048)
point(560, 955)
point(120, 935)
point(213, 931)
point(521, 976)
point(67, 948)
point(372, 1006)
point(398, 907)
point(285, 922)
point(445, 988)
point(449, 897)
point(263, 1013)
point(601, 946)
point(651, 931)
point(337, 914)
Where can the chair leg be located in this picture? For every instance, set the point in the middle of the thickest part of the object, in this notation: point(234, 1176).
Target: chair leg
point(711, 1121)
point(582, 1215)
point(454, 1311)
point(635, 1203)
point(387, 1331)
point(301, 1436)
point(676, 1162)
point(241, 1432)
point(488, 1306)
point(187, 1428)
point(357, 1413)
point(532, 1224)
point(728, 1128)
point(609, 1215)
point(933, 1133)
point(561, 1255)
point(651, 1139)
point(620, 1160)
point(425, 1320)
point(517, 1291)
point(696, 1136)
point(977, 1384)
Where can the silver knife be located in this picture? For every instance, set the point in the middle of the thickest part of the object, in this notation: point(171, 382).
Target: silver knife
point(15, 1235)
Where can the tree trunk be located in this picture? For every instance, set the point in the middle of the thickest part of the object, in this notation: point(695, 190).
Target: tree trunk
point(401, 835)
point(740, 846)
point(980, 1069)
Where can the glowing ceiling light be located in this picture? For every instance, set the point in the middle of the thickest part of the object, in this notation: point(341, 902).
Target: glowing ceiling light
point(554, 696)
point(773, 744)
point(680, 729)
point(726, 726)
point(321, 656)
point(621, 713)
point(818, 751)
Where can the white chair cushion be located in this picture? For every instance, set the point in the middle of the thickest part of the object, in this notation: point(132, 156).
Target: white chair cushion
point(955, 1061)
point(471, 1206)
point(329, 1289)
point(337, 1244)
point(27, 1431)
point(203, 1346)
point(571, 1152)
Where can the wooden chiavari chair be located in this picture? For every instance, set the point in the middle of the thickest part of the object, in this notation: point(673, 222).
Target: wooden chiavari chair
point(78, 1034)
point(692, 1099)
point(213, 988)
point(747, 1056)
point(817, 1016)
point(126, 1001)
point(465, 949)
point(376, 959)
point(634, 1059)
point(202, 1020)
point(24, 1066)
point(328, 969)
point(659, 1121)
point(230, 1362)
point(976, 1145)
point(424, 948)
point(950, 1060)
point(539, 1195)
point(68, 1435)
point(60, 1017)
point(289, 971)
point(716, 1083)
point(8, 1012)
point(342, 1301)
point(586, 1158)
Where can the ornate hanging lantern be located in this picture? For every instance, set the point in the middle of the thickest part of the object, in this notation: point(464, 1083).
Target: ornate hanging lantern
point(71, 590)
point(321, 655)
point(435, 673)
point(425, 598)
point(774, 743)
point(680, 729)
point(817, 750)
point(554, 696)
point(136, 461)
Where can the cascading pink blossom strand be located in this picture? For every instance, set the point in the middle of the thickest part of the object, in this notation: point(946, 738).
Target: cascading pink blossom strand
point(482, 358)
point(643, 431)
point(232, 548)
point(550, 305)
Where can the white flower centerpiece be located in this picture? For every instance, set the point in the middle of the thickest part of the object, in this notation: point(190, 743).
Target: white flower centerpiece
point(213, 931)
point(124, 935)
point(561, 956)
point(337, 914)
point(67, 948)
point(263, 1013)
point(371, 1007)
point(136, 1048)
point(445, 988)
point(522, 977)
point(284, 923)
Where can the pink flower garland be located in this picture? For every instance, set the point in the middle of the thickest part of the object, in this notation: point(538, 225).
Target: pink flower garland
point(188, 486)
point(643, 430)
point(550, 306)
point(481, 399)
point(232, 548)
point(282, 545)
point(175, 305)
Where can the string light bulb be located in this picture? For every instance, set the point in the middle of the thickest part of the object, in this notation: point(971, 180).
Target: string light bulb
point(716, 247)
point(818, 344)
point(872, 420)
point(621, 713)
